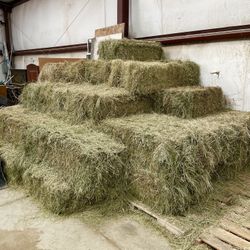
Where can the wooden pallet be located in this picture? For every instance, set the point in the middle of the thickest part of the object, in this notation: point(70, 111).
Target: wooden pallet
point(229, 235)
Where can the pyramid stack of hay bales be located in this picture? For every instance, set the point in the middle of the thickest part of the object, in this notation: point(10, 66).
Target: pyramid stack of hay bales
point(87, 132)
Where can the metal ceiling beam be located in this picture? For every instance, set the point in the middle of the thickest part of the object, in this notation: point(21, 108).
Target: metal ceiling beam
point(11, 5)
point(5, 6)
point(18, 2)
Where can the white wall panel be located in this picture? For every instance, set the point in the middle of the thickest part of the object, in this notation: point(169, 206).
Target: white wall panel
point(48, 23)
point(230, 59)
point(154, 17)
point(22, 61)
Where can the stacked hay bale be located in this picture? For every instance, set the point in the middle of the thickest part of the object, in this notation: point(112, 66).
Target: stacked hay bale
point(88, 161)
point(174, 160)
point(189, 102)
point(51, 145)
point(130, 50)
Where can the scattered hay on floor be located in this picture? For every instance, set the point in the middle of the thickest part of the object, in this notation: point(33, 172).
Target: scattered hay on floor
point(144, 78)
point(91, 161)
point(126, 49)
point(189, 102)
point(76, 103)
point(174, 161)
point(95, 72)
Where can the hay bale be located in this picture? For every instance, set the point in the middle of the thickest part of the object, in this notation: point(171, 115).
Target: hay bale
point(144, 78)
point(41, 181)
point(76, 103)
point(189, 102)
point(130, 50)
point(115, 77)
point(13, 160)
point(92, 159)
point(174, 161)
point(91, 71)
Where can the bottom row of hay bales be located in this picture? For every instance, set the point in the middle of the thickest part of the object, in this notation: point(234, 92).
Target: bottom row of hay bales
point(169, 163)
point(66, 167)
point(174, 161)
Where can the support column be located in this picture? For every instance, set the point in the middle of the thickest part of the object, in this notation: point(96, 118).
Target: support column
point(7, 25)
point(123, 14)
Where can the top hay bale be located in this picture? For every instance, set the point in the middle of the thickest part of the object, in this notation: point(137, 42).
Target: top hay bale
point(130, 50)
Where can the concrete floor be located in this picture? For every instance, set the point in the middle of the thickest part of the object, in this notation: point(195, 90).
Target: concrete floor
point(23, 226)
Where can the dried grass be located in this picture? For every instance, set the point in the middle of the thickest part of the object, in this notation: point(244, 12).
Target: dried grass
point(89, 161)
point(189, 102)
point(174, 161)
point(130, 50)
point(76, 103)
point(95, 72)
point(144, 78)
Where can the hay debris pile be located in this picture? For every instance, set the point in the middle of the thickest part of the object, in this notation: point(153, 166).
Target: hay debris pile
point(52, 147)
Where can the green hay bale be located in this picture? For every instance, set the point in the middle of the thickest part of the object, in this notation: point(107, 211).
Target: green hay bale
point(174, 161)
point(115, 77)
point(91, 71)
point(94, 160)
point(130, 50)
point(13, 162)
point(75, 103)
point(57, 191)
point(144, 78)
point(189, 102)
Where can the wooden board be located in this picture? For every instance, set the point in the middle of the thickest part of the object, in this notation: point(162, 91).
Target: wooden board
point(44, 60)
point(3, 90)
point(32, 73)
point(231, 238)
point(236, 229)
point(214, 242)
point(162, 221)
point(119, 28)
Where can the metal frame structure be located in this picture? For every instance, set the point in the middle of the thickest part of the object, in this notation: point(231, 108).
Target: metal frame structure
point(198, 36)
